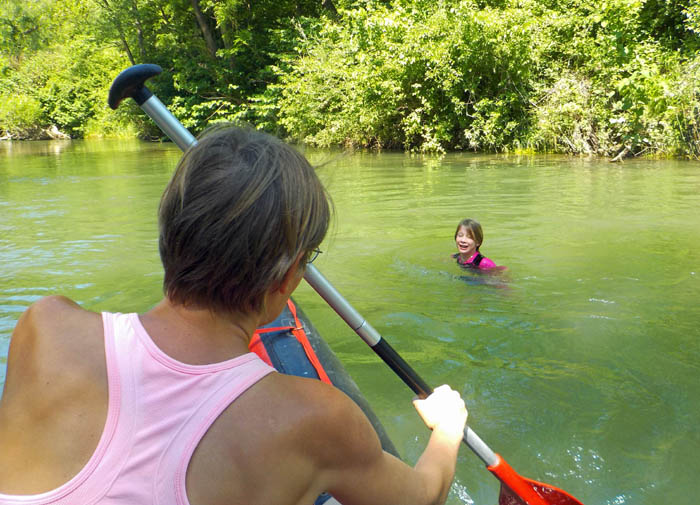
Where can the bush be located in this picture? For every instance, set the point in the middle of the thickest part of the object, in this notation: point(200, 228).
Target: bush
point(68, 85)
point(684, 112)
point(564, 118)
point(568, 77)
point(489, 75)
point(20, 116)
point(425, 79)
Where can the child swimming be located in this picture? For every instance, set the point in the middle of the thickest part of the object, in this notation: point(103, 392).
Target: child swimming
point(468, 238)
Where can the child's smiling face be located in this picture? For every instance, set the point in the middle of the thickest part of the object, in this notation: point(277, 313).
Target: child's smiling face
point(466, 245)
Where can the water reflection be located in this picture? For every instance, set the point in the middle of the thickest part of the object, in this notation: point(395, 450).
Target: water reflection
point(33, 148)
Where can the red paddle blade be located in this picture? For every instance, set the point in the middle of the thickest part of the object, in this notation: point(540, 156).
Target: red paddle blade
point(547, 495)
point(517, 490)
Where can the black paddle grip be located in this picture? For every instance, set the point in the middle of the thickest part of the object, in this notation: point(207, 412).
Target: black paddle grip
point(130, 83)
point(384, 350)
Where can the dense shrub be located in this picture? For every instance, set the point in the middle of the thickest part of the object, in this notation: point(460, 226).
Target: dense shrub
point(684, 113)
point(648, 105)
point(570, 77)
point(59, 78)
point(610, 78)
point(20, 116)
point(428, 79)
point(67, 88)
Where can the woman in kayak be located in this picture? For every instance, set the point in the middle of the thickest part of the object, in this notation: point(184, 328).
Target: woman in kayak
point(169, 406)
point(469, 237)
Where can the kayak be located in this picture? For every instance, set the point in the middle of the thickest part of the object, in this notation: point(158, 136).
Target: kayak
point(292, 345)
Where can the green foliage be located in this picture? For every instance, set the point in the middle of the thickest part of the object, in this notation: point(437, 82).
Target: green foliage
point(218, 57)
point(692, 15)
point(665, 21)
point(24, 27)
point(426, 79)
point(573, 76)
point(67, 86)
point(577, 77)
point(647, 105)
point(19, 115)
point(683, 111)
point(60, 77)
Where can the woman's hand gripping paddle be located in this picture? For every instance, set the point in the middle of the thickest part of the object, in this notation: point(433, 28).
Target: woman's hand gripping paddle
point(515, 490)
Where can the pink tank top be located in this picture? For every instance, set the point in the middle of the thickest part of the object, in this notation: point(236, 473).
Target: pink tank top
point(159, 410)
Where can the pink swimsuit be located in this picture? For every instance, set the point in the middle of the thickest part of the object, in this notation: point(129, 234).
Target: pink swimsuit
point(484, 264)
point(159, 410)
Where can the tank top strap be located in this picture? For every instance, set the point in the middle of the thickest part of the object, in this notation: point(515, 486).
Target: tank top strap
point(158, 412)
point(171, 476)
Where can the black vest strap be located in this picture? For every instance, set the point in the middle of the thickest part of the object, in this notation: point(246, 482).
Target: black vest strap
point(473, 264)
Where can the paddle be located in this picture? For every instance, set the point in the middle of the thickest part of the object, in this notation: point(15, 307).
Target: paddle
point(515, 490)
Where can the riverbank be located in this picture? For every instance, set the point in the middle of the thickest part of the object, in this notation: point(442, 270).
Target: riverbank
point(37, 133)
point(43, 134)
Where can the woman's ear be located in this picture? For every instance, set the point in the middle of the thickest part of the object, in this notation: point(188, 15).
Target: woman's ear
point(276, 297)
point(292, 278)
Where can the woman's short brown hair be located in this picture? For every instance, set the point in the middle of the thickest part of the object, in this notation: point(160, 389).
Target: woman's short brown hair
point(473, 229)
point(240, 208)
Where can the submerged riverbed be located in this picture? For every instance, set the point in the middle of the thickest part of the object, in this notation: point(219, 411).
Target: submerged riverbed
point(580, 364)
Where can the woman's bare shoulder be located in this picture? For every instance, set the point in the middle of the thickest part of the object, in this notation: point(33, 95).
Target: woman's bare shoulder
point(341, 448)
point(301, 414)
point(56, 386)
point(54, 336)
point(326, 417)
point(54, 310)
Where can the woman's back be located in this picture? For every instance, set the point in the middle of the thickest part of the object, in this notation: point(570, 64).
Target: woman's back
point(262, 448)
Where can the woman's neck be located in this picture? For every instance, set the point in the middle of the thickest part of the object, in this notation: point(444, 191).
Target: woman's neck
point(198, 336)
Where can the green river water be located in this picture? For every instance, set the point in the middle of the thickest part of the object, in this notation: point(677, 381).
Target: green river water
point(580, 364)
